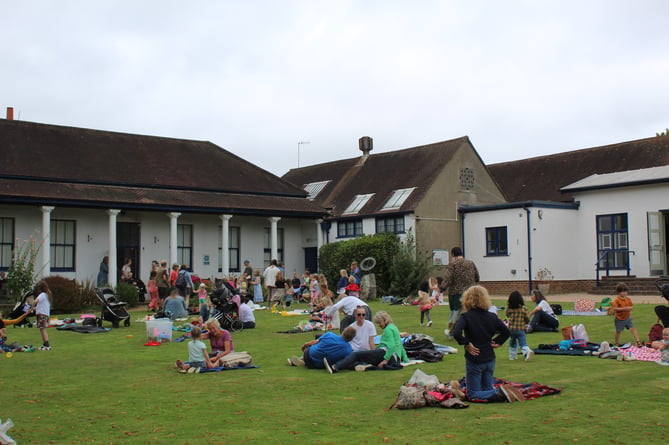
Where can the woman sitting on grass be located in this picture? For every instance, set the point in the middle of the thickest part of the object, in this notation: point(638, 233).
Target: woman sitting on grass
point(220, 340)
point(542, 316)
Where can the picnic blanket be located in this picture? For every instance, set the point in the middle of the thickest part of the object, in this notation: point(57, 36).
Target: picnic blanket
point(221, 368)
point(530, 391)
point(586, 313)
point(644, 353)
point(82, 328)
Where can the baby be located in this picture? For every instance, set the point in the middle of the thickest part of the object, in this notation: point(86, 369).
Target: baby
point(663, 345)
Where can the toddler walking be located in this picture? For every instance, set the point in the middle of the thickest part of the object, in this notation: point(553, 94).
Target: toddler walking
point(518, 318)
point(622, 309)
point(424, 303)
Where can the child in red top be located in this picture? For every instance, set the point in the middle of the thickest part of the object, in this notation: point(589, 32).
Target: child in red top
point(153, 291)
point(622, 309)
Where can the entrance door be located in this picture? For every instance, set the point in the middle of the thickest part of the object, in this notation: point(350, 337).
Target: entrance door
point(127, 246)
point(656, 243)
point(311, 259)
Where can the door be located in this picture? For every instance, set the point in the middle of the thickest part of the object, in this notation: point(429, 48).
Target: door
point(656, 243)
point(127, 246)
point(311, 259)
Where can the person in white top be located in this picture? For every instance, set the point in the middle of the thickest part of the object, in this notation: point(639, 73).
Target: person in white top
point(365, 331)
point(43, 311)
point(246, 315)
point(270, 279)
point(348, 304)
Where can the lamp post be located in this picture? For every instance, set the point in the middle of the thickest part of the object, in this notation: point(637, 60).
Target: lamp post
point(298, 151)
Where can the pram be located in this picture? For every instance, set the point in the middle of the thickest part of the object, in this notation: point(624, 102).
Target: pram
point(663, 286)
point(112, 309)
point(226, 309)
point(21, 311)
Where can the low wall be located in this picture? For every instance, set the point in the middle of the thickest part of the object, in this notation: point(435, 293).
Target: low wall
point(554, 286)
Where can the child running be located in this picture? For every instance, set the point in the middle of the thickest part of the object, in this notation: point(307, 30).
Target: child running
point(43, 311)
point(197, 354)
point(518, 318)
point(622, 309)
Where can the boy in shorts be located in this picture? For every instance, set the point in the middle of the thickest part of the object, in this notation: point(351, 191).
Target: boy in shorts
point(622, 310)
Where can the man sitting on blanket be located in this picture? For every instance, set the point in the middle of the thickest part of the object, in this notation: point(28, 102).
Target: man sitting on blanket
point(329, 345)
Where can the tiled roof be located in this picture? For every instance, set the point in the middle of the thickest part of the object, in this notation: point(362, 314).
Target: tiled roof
point(541, 178)
point(380, 174)
point(54, 164)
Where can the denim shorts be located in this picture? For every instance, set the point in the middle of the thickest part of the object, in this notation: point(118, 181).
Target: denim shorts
point(622, 324)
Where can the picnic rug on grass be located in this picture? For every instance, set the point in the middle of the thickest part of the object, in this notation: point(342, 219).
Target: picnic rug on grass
point(530, 390)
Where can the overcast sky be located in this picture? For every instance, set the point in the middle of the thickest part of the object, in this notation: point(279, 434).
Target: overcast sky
point(520, 78)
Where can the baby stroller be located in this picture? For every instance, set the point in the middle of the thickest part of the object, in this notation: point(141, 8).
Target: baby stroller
point(663, 286)
point(226, 309)
point(21, 311)
point(112, 309)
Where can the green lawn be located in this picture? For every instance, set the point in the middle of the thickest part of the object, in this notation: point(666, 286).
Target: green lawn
point(109, 388)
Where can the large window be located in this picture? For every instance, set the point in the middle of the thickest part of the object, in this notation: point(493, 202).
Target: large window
point(267, 253)
point(358, 203)
point(496, 242)
point(63, 246)
point(233, 249)
point(393, 224)
point(6, 242)
point(185, 244)
point(612, 241)
point(349, 229)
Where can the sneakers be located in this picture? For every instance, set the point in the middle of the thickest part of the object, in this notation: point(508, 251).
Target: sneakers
point(295, 361)
point(447, 332)
point(429, 323)
point(193, 370)
point(330, 369)
point(45, 348)
point(529, 355)
point(512, 393)
point(362, 368)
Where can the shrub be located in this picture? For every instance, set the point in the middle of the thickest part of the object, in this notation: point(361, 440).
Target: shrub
point(66, 295)
point(128, 293)
point(408, 269)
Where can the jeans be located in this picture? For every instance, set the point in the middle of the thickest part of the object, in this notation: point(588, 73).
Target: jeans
point(455, 305)
point(373, 357)
point(204, 312)
point(479, 381)
point(517, 338)
point(544, 322)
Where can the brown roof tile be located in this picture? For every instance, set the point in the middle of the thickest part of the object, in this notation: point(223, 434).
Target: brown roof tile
point(542, 177)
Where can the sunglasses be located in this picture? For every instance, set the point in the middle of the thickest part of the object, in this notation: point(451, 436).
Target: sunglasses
point(360, 315)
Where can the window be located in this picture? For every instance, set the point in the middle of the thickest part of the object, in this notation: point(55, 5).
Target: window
point(268, 246)
point(6, 242)
point(233, 249)
point(397, 199)
point(612, 241)
point(185, 244)
point(349, 229)
point(358, 203)
point(392, 224)
point(467, 179)
point(62, 245)
point(315, 188)
point(496, 242)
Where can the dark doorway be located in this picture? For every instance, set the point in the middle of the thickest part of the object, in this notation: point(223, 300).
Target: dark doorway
point(311, 259)
point(127, 246)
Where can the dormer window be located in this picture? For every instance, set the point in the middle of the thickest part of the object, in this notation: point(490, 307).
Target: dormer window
point(314, 188)
point(397, 199)
point(358, 203)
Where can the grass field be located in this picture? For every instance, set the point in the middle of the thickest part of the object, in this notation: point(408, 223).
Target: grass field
point(110, 389)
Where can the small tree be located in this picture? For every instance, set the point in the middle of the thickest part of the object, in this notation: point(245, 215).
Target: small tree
point(407, 269)
point(21, 273)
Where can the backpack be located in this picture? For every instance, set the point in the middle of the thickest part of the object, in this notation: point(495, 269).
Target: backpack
point(428, 355)
point(236, 360)
point(655, 333)
point(181, 280)
point(557, 309)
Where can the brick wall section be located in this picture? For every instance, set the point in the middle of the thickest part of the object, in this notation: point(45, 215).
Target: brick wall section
point(556, 286)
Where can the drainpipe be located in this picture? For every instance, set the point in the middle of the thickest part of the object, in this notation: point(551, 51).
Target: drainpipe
point(462, 231)
point(529, 250)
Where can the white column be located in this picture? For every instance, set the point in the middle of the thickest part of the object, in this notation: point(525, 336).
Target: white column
point(112, 275)
point(273, 237)
point(225, 245)
point(45, 270)
point(319, 233)
point(174, 216)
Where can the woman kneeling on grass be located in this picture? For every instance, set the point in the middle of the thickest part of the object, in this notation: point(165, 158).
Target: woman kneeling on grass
point(475, 330)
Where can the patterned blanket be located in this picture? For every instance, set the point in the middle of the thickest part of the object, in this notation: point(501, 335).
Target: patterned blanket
point(529, 390)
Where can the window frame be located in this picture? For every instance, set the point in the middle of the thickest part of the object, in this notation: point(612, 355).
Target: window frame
point(234, 254)
point(497, 241)
point(267, 245)
point(185, 251)
point(59, 248)
point(390, 222)
point(6, 242)
point(614, 237)
point(351, 228)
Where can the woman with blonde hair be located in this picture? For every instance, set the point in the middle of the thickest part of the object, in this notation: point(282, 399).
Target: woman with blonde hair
point(480, 331)
point(220, 340)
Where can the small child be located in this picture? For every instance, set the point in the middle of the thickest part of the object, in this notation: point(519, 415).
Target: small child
point(518, 318)
point(622, 309)
point(197, 354)
point(425, 303)
point(663, 345)
point(435, 292)
point(4, 347)
point(43, 311)
point(352, 289)
point(203, 300)
point(343, 281)
point(290, 293)
point(153, 291)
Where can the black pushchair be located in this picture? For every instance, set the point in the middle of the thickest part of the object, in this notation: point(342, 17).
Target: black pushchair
point(663, 286)
point(226, 309)
point(19, 315)
point(113, 309)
